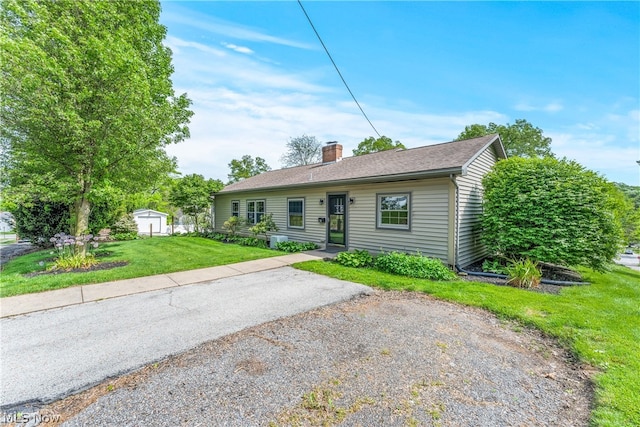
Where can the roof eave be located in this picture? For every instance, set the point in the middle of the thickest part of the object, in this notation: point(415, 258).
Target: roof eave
point(440, 173)
point(497, 145)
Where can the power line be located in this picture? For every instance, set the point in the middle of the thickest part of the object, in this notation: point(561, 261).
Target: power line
point(338, 70)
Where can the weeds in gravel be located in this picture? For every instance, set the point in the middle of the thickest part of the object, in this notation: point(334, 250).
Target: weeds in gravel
point(318, 407)
point(599, 323)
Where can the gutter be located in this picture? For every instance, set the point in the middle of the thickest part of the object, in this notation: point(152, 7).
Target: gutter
point(441, 173)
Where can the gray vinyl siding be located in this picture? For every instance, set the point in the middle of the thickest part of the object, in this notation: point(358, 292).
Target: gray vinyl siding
point(276, 204)
point(429, 217)
point(470, 208)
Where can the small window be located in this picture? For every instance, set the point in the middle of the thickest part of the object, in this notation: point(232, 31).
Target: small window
point(295, 213)
point(393, 211)
point(255, 211)
point(235, 208)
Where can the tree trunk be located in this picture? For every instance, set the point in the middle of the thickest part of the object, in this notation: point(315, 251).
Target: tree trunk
point(81, 210)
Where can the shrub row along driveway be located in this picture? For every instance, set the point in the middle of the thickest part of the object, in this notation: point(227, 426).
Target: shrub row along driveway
point(387, 359)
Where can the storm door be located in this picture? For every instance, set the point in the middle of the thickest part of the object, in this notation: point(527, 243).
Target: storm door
point(337, 219)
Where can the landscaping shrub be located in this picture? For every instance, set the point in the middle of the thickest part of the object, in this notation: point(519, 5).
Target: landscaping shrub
point(250, 241)
point(523, 273)
point(291, 246)
point(265, 225)
point(357, 258)
point(493, 266)
point(232, 225)
point(218, 237)
point(413, 266)
point(125, 228)
point(73, 252)
point(551, 210)
point(38, 220)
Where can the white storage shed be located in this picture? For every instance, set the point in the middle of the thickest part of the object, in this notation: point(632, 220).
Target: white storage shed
point(150, 221)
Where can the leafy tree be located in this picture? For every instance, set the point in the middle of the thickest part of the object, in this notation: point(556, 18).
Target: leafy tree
point(372, 145)
point(39, 220)
point(627, 210)
point(87, 99)
point(550, 210)
point(156, 197)
point(302, 150)
point(246, 168)
point(520, 139)
point(631, 191)
point(193, 194)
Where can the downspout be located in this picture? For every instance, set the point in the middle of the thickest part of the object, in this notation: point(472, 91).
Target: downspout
point(456, 234)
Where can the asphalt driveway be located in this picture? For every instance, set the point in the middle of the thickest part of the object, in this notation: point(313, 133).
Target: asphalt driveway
point(48, 355)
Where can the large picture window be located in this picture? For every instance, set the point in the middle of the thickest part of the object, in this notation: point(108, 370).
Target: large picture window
point(255, 211)
point(393, 211)
point(235, 208)
point(295, 213)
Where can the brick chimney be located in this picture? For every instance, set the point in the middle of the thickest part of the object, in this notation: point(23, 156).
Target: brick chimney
point(331, 152)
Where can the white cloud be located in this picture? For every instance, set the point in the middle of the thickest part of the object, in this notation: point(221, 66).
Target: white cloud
point(245, 104)
point(228, 124)
point(628, 123)
point(240, 49)
point(601, 153)
point(551, 107)
point(199, 65)
point(173, 13)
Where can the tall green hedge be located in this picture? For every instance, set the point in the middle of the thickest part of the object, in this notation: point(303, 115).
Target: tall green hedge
point(550, 210)
point(39, 220)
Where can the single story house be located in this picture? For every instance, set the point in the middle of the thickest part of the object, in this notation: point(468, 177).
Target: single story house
point(150, 221)
point(426, 199)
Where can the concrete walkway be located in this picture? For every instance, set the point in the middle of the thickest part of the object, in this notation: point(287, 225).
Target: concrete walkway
point(29, 303)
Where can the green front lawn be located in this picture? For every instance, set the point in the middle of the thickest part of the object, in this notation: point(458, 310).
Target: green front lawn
point(146, 257)
point(599, 323)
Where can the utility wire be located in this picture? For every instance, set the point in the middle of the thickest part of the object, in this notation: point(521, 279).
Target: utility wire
point(338, 70)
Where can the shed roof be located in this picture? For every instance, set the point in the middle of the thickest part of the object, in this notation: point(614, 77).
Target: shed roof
point(139, 212)
point(392, 165)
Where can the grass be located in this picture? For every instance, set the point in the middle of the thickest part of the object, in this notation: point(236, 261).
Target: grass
point(145, 257)
point(599, 323)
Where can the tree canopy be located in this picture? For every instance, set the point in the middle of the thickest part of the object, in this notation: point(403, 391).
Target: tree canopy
point(551, 210)
point(373, 145)
point(302, 150)
point(192, 194)
point(520, 139)
point(246, 167)
point(87, 100)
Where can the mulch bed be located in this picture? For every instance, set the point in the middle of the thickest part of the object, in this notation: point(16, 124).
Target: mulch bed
point(97, 267)
point(549, 271)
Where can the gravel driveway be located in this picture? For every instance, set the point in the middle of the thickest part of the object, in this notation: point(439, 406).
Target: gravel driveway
point(390, 359)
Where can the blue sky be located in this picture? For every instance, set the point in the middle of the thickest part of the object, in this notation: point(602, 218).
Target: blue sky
point(422, 71)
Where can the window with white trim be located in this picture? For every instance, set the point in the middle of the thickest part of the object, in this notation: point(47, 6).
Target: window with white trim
point(393, 211)
point(295, 213)
point(255, 211)
point(235, 208)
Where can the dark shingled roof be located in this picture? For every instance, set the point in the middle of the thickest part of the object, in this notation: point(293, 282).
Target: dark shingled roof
point(430, 160)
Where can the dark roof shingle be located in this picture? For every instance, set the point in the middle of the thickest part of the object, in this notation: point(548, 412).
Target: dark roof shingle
point(449, 157)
